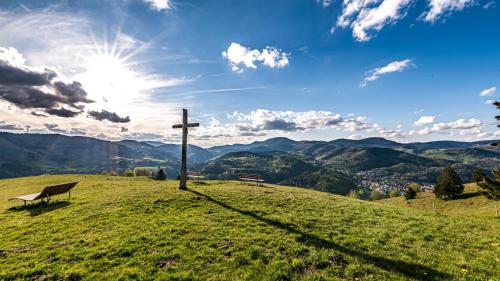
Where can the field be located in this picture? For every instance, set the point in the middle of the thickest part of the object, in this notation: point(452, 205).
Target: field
point(118, 228)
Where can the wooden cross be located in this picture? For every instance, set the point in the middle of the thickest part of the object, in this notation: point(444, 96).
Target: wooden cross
point(185, 125)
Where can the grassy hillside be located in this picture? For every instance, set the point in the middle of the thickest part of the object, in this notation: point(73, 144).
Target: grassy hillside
point(470, 203)
point(137, 228)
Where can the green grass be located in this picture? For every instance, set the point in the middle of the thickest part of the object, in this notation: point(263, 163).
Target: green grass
point(470, 203)
point(118, 228)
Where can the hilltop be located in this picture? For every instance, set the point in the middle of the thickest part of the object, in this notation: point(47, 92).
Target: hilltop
point(138, 228)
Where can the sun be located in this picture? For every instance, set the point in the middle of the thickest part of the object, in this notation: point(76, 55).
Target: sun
point(110, 72)
point(109, 76)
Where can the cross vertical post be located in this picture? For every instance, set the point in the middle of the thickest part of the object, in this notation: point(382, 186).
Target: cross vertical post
point(185, 125)
point(182, 184)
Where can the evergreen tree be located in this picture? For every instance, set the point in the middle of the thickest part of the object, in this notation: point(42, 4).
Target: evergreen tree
point(477, 176)
point(448, 184)
point(497, 104)
point(491, 187)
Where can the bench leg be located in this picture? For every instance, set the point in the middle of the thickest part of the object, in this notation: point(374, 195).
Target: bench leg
point(69, 195)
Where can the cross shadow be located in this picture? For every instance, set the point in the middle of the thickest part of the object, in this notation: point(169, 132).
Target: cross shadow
point(40, 207)
point(413, 270)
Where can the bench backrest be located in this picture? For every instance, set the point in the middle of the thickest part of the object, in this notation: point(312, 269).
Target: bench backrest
point(250, 176)
point(57, 189)
point(194, 174)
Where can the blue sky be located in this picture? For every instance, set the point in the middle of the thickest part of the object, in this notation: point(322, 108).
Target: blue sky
point(249, 70)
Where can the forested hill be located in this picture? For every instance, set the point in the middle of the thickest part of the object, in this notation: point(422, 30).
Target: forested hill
point(334, 166)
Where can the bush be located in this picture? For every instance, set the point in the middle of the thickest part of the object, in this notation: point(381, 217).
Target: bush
point(138, 172)
point(409, 193)
point(112, 173)
point(128, 173)
point(491, 187)
point(449, 184)
point(160, 175)
point(415, 186)
point(353, 194)
point(394, 193)
point(477, 176)
point(376, 195)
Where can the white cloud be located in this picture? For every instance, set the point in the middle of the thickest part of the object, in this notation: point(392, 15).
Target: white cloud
point(438, 8)
point(464, 126)
point(366, 17)
point(325, 3)
point(240, 56)
point(488, 92)
point(425, 120)
point(488, 5)
point(395, 66)
point(489, 102)
point(159, 5)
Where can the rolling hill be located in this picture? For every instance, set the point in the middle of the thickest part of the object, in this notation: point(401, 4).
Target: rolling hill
point(119, 228)
point(334, 166)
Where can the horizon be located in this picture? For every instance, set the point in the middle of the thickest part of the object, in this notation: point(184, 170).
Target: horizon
point(251, 141)
point(416, 71)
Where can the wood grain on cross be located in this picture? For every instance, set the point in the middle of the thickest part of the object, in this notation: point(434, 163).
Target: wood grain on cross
point(185, 125)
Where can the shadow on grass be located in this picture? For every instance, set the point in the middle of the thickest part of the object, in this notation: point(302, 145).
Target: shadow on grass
point(467, 195)
point(40, 207)
point(199, 183)
point(413, 270)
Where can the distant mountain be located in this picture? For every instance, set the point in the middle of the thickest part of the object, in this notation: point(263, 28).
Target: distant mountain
point(334, 166)
point(368, 142)
point(32, 154)
point(277, 144)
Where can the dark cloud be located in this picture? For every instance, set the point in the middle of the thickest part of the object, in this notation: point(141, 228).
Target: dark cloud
point(77, 131)
point(110, 116)
point(72, 93)
point(280, 124)
point(73, 131)
point(272, 124)
point(252, 134)
point(62, 112)
point(21, 85)
point(36, 113)
point(124, 130)
point(11, 75)
point(8, 126)
point(28, 97)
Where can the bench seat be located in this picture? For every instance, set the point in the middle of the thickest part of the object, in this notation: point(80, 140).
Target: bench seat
point(47, 192)
point(29, 197)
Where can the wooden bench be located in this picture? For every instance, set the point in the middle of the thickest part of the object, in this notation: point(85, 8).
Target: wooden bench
point(47, 192)
point(250, 178)
point(196, 176)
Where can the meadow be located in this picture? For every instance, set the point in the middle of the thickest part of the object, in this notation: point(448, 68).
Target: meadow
point(121, 228)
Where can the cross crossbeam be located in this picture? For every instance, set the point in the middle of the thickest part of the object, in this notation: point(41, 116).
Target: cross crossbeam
point(184, 126)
